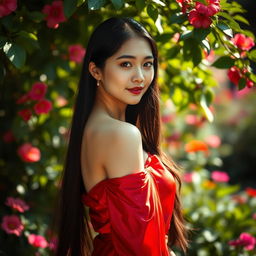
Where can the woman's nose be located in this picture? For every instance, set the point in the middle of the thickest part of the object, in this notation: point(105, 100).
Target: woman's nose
point(139, 76)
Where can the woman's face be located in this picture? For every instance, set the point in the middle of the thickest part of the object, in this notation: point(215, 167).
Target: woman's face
point(131, 66)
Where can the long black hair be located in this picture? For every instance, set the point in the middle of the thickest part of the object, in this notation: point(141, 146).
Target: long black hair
point(73, 229)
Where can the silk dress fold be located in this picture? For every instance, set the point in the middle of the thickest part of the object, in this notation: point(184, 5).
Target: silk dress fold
point(132, 213)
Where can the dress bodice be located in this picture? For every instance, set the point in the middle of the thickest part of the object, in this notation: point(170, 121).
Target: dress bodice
point(132, 213)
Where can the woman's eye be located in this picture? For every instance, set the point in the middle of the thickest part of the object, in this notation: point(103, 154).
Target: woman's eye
point(150, 64)
point(124, 64)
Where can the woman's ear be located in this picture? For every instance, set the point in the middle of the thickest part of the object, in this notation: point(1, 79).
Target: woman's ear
point(94, 71)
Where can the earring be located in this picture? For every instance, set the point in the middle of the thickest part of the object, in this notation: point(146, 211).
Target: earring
point(98, 82)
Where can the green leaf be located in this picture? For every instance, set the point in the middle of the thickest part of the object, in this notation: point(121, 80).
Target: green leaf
point(96, 4)
point(241, 19)
point(207, 111)
point(178, 18)
point(225, 29)
point(206, 45)
point(252, 55)
point(69, 7)
point(186, 34)
point(253, 77)
point(241, 83)
point(164, 38)
point(27, 40)
point(15, 54)
point(200, 34)
point(227, 191)
point(140, 4)
point(171, 53)
point(152, 12)
point(231, 22)
point(224, 62)
point(118, 4)
point(36, 16)
point(192, 51)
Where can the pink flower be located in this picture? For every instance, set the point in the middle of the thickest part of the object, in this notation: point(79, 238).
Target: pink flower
point(28, 153)
point(76, 53)
point(254, 216)
point(199, 20)
point(243, 42)
point(11, 224)
point(25, 114)
point(245, 240)
point(38, 91)
point(61, 101)
point(213, 141)
point(188, 177)
point(234, 75)
point(8, 136)
point(212, 7)
point(54, 14)
point(220, 176)
point(7, 6)
point(249, 83)
point(167, 118)
point(23, 98)
point(37, 241)
point(17, 204)
point(194, 120)
point(43, 106)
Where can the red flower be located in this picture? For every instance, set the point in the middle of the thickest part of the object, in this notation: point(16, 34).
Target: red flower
point(28, 153)
point(196, 145)
point(17, 204)
point(11, 224)
point(243, 42)
point(234, 75)
point(54, 14)
point(251, 192)
point(246, 240)
point(249, 83)
point(25, 114)
point(76, 53)
point(38, 91)
point(199, 20)
point(7, 6)
point(37, 241)
point(212, 7)
point(43, 106)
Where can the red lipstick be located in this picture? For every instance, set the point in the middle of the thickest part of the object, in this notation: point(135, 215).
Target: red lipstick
point(135, 90)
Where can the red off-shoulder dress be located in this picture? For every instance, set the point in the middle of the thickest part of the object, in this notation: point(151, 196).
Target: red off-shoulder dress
point(132, 213)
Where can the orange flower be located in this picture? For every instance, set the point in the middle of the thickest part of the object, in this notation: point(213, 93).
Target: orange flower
point(209, 184)
point(196, 145)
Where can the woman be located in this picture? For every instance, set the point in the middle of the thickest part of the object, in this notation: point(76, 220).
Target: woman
point(114, 164)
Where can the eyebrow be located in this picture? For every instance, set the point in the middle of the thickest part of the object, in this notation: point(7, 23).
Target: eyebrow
point(133, 57)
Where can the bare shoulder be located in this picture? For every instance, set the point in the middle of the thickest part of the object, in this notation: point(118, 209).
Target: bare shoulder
point(123, 152)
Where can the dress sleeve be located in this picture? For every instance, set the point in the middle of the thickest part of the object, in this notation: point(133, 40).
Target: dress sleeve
point(136, 217)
